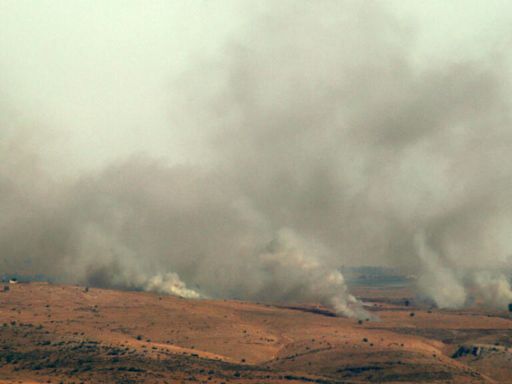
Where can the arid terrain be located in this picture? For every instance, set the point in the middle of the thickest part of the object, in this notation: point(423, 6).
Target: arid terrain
point(67, 334)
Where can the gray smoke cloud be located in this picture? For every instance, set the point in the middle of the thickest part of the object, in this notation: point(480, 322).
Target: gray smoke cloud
point(322, 145)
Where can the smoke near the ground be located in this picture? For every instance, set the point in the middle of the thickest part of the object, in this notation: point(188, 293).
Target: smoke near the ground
point(323, 145)
point(294, 269)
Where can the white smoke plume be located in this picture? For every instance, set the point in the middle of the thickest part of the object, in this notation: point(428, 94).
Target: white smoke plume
point(294, 269)
point(452, 287)
point(316, 141)
point(171, 284)
point(493, 289)
point(113, 275)
point(437, 281)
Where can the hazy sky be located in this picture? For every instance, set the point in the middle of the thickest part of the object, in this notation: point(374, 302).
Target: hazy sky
point(102, 73)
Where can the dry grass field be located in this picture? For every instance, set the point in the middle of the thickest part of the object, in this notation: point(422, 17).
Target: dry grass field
point(65, 334)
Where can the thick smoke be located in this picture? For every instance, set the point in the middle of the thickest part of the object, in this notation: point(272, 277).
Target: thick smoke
point(322, 145)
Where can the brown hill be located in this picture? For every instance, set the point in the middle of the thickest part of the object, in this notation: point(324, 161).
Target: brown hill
point(54, 333)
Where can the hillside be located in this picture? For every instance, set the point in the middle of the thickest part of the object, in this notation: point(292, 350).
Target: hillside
point(55, 333)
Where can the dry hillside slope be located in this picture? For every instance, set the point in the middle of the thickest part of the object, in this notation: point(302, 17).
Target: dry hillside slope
point(56, 333)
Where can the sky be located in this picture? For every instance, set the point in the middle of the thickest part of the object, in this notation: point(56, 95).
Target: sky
point(103, 73)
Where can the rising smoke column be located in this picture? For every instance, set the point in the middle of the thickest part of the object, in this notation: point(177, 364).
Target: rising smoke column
point(295, 269)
